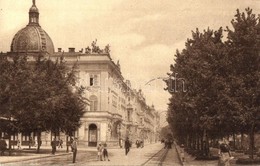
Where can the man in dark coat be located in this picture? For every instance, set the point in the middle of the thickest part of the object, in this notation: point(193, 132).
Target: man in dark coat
point(127, 145)
point(53, 146)
point(74, 147)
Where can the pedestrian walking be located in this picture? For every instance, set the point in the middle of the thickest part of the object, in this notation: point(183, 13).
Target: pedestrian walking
point(120, 142)
point(60, 143)
point(74, 147)
point(142, 143)
point(30, 142)
point(99, 152)
point(137, 143)
point(224, 154)
point(127, 146)
point(18, 144)
point(53, 146)
point(35, 142)
point(105, 152)
point(39, 142)
point(182, 153)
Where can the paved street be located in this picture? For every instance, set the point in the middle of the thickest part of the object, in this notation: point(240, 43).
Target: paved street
point(117, 157)
point(150, 155)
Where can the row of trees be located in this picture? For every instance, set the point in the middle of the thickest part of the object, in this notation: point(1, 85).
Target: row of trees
point(39, 96)
point(222, 79)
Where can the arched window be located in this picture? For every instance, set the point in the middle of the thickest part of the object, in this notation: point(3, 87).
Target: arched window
point(93, 103)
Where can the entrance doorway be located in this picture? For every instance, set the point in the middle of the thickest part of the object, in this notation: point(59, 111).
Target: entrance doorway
point(92, 135)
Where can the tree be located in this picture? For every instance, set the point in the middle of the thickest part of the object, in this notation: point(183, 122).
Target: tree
point(200, 64)
point(244, 56)
point(13, 76)
point(222, 80)
point(41, 95)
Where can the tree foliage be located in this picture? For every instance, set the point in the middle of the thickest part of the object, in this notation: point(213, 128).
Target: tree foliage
point(40, 96)
point(222, 81)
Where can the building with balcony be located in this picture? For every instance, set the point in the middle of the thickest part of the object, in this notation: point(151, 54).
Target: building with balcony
point(114, 110)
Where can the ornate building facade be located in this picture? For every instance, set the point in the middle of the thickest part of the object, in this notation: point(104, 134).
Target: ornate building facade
point(115, 110)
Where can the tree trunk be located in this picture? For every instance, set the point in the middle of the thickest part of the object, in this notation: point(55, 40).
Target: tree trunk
point(198, 142)
point(234, 139)
point(207, 146)
point(201, 143)
point(251, 142)
point(9, 145)
point(67, 139)
point(39, 141)
point(30, 141)
point(242, 141)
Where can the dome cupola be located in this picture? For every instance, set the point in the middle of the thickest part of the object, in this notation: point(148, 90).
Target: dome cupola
point(33, 14)
point(32, 38)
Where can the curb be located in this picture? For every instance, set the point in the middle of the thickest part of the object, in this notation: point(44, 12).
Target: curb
point(178, 153)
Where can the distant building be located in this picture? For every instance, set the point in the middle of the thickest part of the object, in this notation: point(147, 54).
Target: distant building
point(114, 111)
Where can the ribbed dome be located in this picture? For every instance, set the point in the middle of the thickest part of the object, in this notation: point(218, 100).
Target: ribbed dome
point(32, 39)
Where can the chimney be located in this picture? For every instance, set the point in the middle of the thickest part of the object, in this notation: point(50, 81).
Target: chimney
point(71, 49)
point(59, 49)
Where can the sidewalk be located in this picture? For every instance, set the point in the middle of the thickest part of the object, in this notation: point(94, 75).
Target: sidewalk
point(190, 160)
point(26, 154)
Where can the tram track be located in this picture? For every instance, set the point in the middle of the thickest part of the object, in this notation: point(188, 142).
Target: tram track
point(157, 158)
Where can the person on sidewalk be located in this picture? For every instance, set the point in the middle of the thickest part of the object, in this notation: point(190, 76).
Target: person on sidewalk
point(18, 144)
point(224, 154)
point(137, 143)
point(127, 146)
point(120, 142)
point(99, 152)
point(60, 143)
point(74, 147)
point(30, 142)
point(182, 153)
point(105, 152)
point(142, 143)
point(53, 146)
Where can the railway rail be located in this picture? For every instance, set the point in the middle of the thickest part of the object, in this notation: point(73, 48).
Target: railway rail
point(157, 158)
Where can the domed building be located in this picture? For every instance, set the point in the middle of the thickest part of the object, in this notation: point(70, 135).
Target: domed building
point(114, 110)
point(32, 38)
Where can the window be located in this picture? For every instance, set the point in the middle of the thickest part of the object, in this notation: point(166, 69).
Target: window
point(93, 103)
point(93, 80)
point(114, 101)
point(128, 115)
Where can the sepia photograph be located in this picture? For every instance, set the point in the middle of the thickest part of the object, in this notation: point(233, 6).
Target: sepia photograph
point(130, 82)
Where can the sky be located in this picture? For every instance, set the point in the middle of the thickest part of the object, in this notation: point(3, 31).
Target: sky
point(143, 34)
